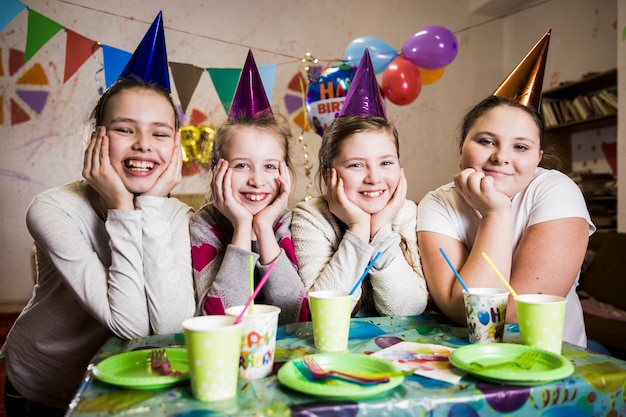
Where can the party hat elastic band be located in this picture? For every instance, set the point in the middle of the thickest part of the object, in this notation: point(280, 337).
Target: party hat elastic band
point(524, 83)
point(148, 63)
point(250, 97)
point(364, 97)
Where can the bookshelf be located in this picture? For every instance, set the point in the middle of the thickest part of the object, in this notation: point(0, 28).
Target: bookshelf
point(581, 109)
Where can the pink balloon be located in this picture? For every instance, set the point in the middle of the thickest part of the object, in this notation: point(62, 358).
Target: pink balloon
point(431, 47)
point(402, 81)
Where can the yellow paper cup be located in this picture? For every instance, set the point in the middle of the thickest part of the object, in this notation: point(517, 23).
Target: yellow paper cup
point(258, 339)
point(213, 344)
point(330, 313)
point(485, 310)
point(541, 318)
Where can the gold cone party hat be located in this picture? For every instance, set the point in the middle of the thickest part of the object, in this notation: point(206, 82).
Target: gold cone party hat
point(524, 83)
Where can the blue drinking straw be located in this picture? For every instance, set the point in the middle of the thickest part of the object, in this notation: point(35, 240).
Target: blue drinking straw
point(367, 270)
point(456, 273)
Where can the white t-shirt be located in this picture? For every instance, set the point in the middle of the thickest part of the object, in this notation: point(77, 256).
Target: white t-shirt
point(550, 195)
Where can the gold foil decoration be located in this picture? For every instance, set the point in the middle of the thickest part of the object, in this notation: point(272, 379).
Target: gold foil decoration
point(197, 145)
point(525, 82)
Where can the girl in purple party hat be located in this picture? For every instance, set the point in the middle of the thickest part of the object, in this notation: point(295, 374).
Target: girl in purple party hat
point(247, 214)
point(363, 211)
point(112, 250)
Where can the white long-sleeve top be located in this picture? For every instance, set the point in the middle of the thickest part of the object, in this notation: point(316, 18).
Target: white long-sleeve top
point(332, 258)
point(129, 276)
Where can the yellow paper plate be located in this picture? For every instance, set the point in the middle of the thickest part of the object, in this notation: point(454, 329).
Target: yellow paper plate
point(132, 369)
point(345, 362)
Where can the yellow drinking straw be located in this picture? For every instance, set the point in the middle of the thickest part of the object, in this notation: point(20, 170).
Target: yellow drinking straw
point(506, 283)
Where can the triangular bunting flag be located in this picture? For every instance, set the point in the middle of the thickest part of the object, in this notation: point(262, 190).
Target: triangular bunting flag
point(8, 10)
point(36, 100)
point(225, 81)
point(186, 78)
point(18, 115)
point(114, 62)
point(40, 30)
point(16, 61)
point(77, 50)
point(268, 76)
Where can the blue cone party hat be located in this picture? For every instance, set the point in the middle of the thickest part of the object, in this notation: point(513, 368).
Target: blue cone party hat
point(523, 85)
point(250, 97)
point(364, 97)
point(149, 61)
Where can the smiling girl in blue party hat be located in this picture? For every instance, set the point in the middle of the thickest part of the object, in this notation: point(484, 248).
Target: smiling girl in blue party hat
point(112, 250)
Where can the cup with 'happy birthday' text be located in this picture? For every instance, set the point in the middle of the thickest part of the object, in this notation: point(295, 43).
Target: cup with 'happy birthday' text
point(330, 314)
point(541, 318)
point(213, 345)
point(258, 339)
point(485, 311)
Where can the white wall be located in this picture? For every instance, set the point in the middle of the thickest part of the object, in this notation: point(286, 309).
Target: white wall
point(46, 151)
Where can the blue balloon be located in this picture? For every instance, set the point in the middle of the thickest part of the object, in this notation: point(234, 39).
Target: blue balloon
point(381, 53)
point(483, 317)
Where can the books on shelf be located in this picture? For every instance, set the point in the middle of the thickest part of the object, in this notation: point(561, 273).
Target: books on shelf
point(581, 107)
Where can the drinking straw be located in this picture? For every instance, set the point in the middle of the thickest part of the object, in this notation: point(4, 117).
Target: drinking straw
point(456, 273)
point(251, 279)
point(256, 292)
point(506, 283)
point(367, 270)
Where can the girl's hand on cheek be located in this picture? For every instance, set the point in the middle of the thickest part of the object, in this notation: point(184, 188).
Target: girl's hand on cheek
point(340, 205)
point(223, 198)
point(480, 192)
point(99, 173)
point(270, 213)
point(172, 175)
point(393, 207)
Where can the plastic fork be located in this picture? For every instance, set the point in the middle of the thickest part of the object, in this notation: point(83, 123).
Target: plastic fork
point(160, 363)
point(319, 372)
point(308, 374)
point(526, 360)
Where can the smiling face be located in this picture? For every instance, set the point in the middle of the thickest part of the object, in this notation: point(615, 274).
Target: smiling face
point(504, 143)
point(140, 124)
point(368, 164)
point(254, 155)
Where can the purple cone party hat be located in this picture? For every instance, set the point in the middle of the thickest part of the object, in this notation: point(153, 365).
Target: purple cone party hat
point(250, 97)
point(524, 83)
point(149, 61)
point(364, 97)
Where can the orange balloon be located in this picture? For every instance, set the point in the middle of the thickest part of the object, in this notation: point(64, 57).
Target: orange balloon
point(429, 76)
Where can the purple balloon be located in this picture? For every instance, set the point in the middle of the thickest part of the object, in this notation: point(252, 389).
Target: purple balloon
point(432, 47)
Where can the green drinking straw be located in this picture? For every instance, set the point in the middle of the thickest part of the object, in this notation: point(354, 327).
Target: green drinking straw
point(456, 273)
point(251, 280)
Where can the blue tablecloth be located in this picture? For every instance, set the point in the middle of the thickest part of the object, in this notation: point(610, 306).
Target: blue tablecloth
point(597, 387)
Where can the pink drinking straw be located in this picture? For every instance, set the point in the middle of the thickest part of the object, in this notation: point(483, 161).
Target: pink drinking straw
point(256, 292)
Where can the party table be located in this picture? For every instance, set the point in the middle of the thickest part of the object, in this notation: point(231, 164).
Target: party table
point(597, 387)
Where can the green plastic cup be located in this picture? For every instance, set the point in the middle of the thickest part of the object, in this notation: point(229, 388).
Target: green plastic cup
point(541, 318)
point(330, 313)
point(213, 345)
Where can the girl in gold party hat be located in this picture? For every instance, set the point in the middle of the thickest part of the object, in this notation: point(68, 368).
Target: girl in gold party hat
point(531, 221)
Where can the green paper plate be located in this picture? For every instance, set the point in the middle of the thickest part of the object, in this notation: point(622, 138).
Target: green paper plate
point(548, 367)
point(132, 369)
point(346, 362)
